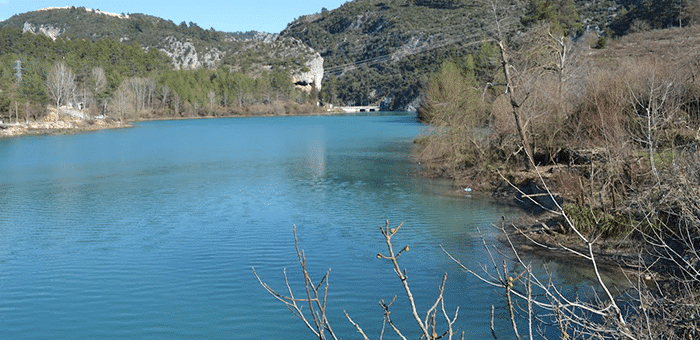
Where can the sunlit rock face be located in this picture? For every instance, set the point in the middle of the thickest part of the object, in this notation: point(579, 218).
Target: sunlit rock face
point(47, 30)
point(184, 55)
point(311, 79)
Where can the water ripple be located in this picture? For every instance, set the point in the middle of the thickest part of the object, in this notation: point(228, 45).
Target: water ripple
point(156, 236)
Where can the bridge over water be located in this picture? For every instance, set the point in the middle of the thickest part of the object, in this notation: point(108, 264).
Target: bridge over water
point(352, 109)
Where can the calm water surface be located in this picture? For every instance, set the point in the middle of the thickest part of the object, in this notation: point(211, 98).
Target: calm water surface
point(151, 232)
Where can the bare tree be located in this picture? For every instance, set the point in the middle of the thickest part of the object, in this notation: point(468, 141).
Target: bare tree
point(84, 96)
point(654, 104)
point(212, 101)
point(138, 89)
point(549, 75)
point(99, 79)
point(177, 102)
point(574, 318)
point(99, 82)
point(164, 94)
point(60, 84)
point(150, 91)
point(428, 324)
point(515, 102)
point(27, 108)
point(121, 100)
point(315, 298)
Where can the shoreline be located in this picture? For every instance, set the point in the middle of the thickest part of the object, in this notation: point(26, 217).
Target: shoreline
point(69, 126)
point(538, 233)
point(248, 115)
point(59, 127)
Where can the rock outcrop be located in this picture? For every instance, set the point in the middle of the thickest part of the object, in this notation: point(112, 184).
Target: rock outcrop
point(50, 31)
point(184, 55)
point(54, 32)
point(311, 78)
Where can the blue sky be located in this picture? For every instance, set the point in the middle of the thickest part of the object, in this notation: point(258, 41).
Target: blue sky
point(229, 16)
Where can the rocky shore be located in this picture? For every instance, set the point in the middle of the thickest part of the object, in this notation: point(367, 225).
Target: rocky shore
point(59, 124)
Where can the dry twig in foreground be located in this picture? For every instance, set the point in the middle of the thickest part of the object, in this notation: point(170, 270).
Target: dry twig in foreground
point(316, 296)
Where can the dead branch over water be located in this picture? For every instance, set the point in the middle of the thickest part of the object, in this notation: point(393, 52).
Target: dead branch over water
point(316, 296)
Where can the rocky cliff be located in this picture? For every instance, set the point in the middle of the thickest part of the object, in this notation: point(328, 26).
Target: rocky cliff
point(382, 52)
point(47, 30)
point(312, 77)
point(184, 54)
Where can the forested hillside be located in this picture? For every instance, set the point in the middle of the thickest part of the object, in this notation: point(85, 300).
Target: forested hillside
point(383, 51)
point(138, 66)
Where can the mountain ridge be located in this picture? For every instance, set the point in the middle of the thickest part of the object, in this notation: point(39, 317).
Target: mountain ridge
point(187, 45)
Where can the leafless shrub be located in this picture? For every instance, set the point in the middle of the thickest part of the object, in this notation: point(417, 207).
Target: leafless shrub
point(598, 130)
point(664, 299)
point(133, 97)
point(630, 117)
point(60, 84)
point(630, 131)
point(639, 25)
point(550, 70)
point(502, 122)
point(316, 297)
point(600, 118)
point(691, 12)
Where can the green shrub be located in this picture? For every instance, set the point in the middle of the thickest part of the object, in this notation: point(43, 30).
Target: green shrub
point(589, 220)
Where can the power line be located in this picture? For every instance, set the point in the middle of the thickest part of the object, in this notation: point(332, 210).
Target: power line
point(397, 55)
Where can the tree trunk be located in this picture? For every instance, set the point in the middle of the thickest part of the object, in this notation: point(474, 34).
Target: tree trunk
point(515, 106)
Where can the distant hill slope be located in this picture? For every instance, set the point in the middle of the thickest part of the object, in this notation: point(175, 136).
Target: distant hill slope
point(672, 46)
point(188, 45)
point(383, 51)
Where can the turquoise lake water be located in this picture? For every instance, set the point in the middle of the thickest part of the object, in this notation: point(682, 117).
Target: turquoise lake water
point(153, 231)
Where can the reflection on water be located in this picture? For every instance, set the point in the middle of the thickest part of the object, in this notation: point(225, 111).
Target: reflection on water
point(151, 232)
